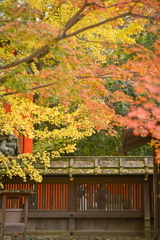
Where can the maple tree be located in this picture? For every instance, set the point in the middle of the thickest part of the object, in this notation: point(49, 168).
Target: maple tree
point(145, 117)
point(55, 50)
point(143, 71)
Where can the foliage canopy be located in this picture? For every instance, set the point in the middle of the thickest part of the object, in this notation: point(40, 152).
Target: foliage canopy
point(55, 51)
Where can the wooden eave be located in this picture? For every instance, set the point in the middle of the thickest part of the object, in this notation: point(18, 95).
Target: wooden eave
point(100, 165)
point(16, 193)
point(130, 141)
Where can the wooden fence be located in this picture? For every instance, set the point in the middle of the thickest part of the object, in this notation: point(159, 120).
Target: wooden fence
point(112, 205)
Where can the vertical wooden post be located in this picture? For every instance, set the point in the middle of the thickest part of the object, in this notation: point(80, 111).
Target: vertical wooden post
point(3, 216)
point(146, 210)
point(25, 216)
point(71, 205)
point(12, 236)
point(155, 192)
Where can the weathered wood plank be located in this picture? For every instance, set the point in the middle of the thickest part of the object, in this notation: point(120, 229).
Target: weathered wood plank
point(53, 171)
point(108, 164)
point(48, 214)
point(83, 171)
point(59, 164)
point(13, 216)
point(83, 164)
point(71, 205)
point(133, 164)
point(150, 171)
point(108, 233)
point(14, 228)
point(146, 210)
point(109, 214)
point(25, 217)
point(133, 171)
point(150, 163)
point(108, 171)
point(3, 216)
point(85, 233)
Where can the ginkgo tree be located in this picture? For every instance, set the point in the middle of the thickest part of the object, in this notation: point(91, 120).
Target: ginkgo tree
point(54, 50)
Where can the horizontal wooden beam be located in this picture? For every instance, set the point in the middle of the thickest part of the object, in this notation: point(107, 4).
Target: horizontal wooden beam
point(86, 233)
point(84, 214)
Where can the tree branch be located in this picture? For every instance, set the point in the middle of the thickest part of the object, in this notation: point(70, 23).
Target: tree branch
point(3, 79)
point(63, 36)
point(134, 5)
point(50, 84)
point(86, 40)
point(30, 89)
point(6, 21)
point(96, 25)
point(108, 20)
point(74, 19)
point(26, 59)
point(78, 16)
point(142, 16)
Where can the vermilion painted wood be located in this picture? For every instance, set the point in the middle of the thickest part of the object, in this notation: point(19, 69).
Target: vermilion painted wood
point(41, 196)
point(7, 107)
point(54, 196)
point(25, 143)
point(38, 195)
point(28, 145)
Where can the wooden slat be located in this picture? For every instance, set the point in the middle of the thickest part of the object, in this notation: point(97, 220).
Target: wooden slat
point(16, 228)
point(134, 171)
point(50, 214)
point(129, 196)
point(25, 217)
point(96, 196)
point(83, 171)
point(71, 205)
point(99, 197)
point(108, 164)
point(3, 216)
point(59, 164)
point(83, 164)
point(107, 171)
point(133, 164)
point(105, 197)
point(52, 171)
point(137, 196)
point(109, 214)
point(13, 216)
point(146, 209)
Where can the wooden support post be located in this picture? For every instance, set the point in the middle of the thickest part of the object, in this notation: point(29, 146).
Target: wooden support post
point(71, 205)
point(146, 210)
point(12, 236)
point(13, 203)
point(25, 216)
point(155, 195)
point(3, 216)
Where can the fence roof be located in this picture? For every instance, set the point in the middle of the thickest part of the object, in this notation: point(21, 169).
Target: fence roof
point(101, 165)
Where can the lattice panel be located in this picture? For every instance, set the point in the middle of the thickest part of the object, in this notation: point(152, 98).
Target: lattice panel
point(117, 196)
point(48, 196)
